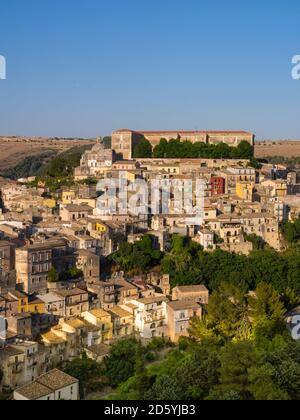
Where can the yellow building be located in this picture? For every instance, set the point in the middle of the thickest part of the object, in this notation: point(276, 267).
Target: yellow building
point(68, 197)
point(22, 301)
point(244, 190)
point(50, 203)
point(281, 189)
point(131, 176)
point(102, 320)
point(123, 322)
point(36, 306)
point(100, 227)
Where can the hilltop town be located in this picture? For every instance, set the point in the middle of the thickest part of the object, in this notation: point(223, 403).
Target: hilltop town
point(77, 276)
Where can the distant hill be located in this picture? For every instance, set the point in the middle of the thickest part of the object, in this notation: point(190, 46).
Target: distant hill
point(48, 163)
point(285, 148)
point(13, 150)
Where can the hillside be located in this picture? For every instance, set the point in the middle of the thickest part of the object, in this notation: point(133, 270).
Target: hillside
point(285, 148)
point(14, 150)
point(50, 163)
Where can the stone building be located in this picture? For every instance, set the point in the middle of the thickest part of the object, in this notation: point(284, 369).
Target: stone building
point(52, 386)
point(178, 317)
point(198, 294)
point(94, 162)
point(34, 261)
point(124, 141)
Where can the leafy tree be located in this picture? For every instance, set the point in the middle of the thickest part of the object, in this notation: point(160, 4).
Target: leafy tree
point(140, 256)
point(263, 386)
point(290, 233)
point(257, 241)
point(53, 276)
point(266, 303)
point(175, 148)
point(121, 363)
point(198, 372)
point(227, 313)
point(236, 360)
point(107, 142)
point(143, 149)
point(165, 388)
point(245, 150)
point(85, 370)
point(291, 299)
point(160, 151)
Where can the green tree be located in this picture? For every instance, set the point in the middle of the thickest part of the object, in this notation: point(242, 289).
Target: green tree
point(267, 311)
point(53, 276)
point(86, 371)
point(236, 360)
point(262, 384)
point(245, 150)
point(143, 149)
point(121, 363)
point(228, 313)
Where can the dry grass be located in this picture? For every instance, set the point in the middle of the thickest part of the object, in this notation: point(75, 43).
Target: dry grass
point(286, 148)
point(14, 150)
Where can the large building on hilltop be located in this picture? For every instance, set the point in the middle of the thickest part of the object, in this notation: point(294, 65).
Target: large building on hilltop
point(124, 141)
point(94, 161)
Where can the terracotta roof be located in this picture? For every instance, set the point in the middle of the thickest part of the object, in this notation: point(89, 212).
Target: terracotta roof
point(75, 323)
point(46, 384)
point(117, 310)
point(52, 338)
point(152, 300)
point(56, 379)
point(99, 313)
point(78, 207)
point(9, 352)
point(189, 289)
point(225, 132)
point(34, 391)
point(182, 305)
point(71, 292)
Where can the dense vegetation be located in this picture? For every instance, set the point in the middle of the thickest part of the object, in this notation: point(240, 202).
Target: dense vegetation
point(240, 350)
point(31, 166)
point(143, 149)
point(188, 264)
point(71, 273)
point(126, 357)
point(291, 232)
point(138, 257)
point(290, 162)
point(107, 142)
point(175, 148)
point(53, 169)
point(60, 170)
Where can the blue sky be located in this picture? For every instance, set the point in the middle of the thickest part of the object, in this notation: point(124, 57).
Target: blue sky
point(84, 68)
